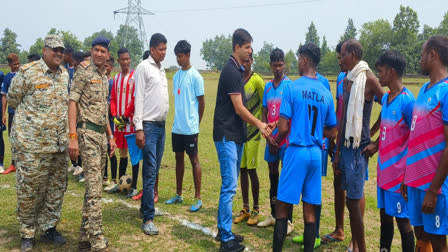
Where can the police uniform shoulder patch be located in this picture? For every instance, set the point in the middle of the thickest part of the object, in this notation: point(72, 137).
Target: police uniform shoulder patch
point(28, 65)
point(85, 63)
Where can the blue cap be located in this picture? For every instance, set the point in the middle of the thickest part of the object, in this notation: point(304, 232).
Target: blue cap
point(102, 41)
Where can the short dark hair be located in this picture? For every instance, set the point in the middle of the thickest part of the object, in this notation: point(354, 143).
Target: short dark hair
point(78, 56)
point(240, 37)
point(121, 51)
point(156, 40)
point(394, 59)
point(12, 57)
point(86, 54)
point(311, 51)
point(68, 49)
point(277, 55)
point(440, 45)
point(339, 46)
point(33, 57)
point(182, 47)
point(146, 54)
point(111, 60)
point(353, 46)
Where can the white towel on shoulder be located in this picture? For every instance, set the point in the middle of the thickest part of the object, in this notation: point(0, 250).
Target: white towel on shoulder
point(353, 126)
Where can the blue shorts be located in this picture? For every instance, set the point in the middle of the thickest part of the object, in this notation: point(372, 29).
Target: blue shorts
point(392, 202)
point(324, 162)
point(353, 166)
point(300, 175)
point(268, 157)
point(435, 223)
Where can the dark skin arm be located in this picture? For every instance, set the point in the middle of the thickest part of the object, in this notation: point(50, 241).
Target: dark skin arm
point(201, 107)
point(273, 147)
point(430, 200)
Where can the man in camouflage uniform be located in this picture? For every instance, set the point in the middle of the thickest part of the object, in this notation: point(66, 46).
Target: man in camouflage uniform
point(38, 93)
point(88, 109)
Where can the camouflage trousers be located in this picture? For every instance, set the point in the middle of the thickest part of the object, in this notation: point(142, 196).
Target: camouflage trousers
point(41, 181)
point(93, 150)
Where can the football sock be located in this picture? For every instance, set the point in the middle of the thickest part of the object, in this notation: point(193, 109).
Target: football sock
point(309, 236)
point(280, 230)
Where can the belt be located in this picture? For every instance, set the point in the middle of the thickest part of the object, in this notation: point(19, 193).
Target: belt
point(91, 126)
point(157, 123)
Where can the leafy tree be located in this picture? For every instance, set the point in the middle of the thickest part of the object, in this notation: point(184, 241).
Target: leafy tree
point(443, 27)
point(215, 52)
point(405, 27)
point(350, 31)
point(405, 32)
point(291, 62)
point(262, 58)
point(428, 31)
point(134, 45)
point(375, 38)
point(23, 57)
point(37, 46)
point(311, 35)
point(8, 44)
point(324, 48)
point(329, 63)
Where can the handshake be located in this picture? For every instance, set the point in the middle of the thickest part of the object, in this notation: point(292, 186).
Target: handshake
point(121, 122)
point(266, 131)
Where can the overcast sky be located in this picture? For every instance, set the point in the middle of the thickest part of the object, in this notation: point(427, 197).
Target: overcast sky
point(283, 24)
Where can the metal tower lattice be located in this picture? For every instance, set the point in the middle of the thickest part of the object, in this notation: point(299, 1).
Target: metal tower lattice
point(134, 17)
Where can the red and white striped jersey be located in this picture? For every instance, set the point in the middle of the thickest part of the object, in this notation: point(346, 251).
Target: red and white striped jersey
point(122, 97)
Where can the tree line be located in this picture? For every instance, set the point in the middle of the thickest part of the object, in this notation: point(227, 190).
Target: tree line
point(8, 43)
point(375, 37)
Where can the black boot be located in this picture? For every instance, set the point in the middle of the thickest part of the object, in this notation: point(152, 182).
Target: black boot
point(238, 238)
point(26, 244)
point(231, 246)
point(51, 235)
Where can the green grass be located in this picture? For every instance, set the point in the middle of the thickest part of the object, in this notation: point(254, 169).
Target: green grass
point(123, 227)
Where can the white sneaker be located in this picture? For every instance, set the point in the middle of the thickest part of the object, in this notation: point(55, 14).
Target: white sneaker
point(290, 227)
point(270, 221)
point(78, 170)
point(71, 168)
point(2, 169)
point(82, 180)
point(110, 186)
point(106, 182)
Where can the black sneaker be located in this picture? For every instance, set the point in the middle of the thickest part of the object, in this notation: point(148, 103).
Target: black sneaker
point(26, 244)
point(237, 238)
point(231, 246)
point(51, 235)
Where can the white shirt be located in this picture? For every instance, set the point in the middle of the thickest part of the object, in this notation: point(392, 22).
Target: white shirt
point(151, 93)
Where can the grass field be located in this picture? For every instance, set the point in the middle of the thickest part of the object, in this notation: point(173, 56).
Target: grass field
point(122, 225)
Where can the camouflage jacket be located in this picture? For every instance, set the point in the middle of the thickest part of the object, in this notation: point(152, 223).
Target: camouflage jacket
point(39, 98)
point(90, 90)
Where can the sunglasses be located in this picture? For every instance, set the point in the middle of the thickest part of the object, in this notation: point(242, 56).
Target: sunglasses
point(58, 49)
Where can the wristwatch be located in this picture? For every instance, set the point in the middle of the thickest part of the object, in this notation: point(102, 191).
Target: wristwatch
point(111, 137)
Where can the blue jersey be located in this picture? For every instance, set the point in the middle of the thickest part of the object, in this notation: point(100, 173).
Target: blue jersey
point(272, 99)
point(324, 81)
point(5, 87)
point(309, 107)
point(340, 94)
point(396, 119)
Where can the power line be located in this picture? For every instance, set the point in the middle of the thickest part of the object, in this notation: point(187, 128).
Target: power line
point(236, 7)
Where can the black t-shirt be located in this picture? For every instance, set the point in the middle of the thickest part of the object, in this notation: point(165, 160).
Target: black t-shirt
point(226, 122)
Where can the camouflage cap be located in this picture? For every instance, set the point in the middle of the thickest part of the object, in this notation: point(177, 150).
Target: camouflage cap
point(54, 41)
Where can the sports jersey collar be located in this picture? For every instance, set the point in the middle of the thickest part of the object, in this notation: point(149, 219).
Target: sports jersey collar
point(401, 92)
point(427, 84)
point(284, 78)
point(315, 78)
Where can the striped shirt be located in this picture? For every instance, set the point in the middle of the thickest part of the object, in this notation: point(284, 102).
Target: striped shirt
point(396, 118)
point(121, 97)
point(426, 140)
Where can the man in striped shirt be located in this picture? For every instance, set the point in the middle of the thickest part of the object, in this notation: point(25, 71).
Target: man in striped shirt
point(122, 108)
point(427, 157)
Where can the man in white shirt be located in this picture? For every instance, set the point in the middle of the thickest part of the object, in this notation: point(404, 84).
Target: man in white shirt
point(151, 108)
